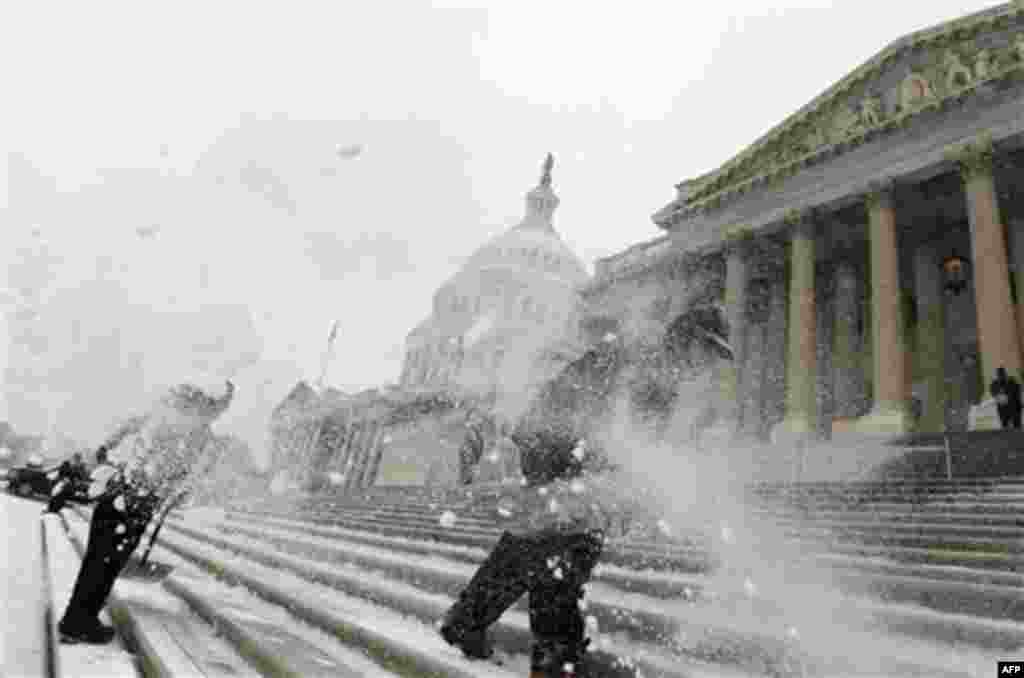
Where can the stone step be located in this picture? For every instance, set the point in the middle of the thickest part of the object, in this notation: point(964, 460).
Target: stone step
point(666, 558)
point(944, 590)
point(965, 511)
point(263, 637)
point(252, 566)
point(945, 536)
point(634, 614)
point(650, 583)
point(979, 552)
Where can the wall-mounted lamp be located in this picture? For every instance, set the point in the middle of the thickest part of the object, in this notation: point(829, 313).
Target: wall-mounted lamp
point(954, 270)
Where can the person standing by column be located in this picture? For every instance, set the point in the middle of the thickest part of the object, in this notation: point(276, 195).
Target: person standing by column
point(1006, 391)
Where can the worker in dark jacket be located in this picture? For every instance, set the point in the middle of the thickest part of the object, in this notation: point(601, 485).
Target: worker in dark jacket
point(109, 534)
point(127, 496)
point(550, 551)
point(1006, 392)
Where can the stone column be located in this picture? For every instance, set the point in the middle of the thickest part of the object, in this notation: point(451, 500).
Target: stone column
point(889, 410)
point(997, 326)
point(930, 358)
point(1017, 266)
point(736, 280)
point(363, 477)
point(754, 369)
point(356, 455)
point(801, 358)
point(346, 448)
point(847, 374)
point(824, 395)
point(774, 384)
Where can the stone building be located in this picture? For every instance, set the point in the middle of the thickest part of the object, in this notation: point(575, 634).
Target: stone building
point(515, 297)
point(499, 328)
point(839, 239)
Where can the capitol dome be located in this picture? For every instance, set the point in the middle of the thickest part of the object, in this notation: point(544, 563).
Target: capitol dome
point(514, 292)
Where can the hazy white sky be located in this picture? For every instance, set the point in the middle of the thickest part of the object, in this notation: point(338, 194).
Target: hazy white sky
point(455, 106)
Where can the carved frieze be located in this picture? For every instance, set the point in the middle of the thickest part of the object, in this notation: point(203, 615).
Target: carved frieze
point(921, 74)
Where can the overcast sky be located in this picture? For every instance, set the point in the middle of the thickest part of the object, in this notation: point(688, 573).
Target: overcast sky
point(454, 108)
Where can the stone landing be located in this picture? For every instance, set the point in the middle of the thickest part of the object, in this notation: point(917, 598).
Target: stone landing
point(855, 456)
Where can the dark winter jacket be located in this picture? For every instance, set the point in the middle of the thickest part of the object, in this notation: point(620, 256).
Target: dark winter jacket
point(567, 488)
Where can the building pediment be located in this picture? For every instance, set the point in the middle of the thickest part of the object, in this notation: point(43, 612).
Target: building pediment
point(925, 71)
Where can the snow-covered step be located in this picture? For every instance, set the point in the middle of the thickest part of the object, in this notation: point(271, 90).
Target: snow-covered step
point(88, 661)
point(399, 636)
point(171, 641)
point(511, 631)
point(617, 612)
point(491, 526)
point(666, 557)
point(230, 632)
point(708, 627)
point(649, 582)
point(941, 515)
point(939, 590)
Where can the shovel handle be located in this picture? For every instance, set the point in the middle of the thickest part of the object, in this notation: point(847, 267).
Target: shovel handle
point(159, 524)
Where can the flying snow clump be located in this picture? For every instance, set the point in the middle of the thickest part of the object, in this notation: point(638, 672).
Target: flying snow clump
point(447, 520)
point(727, 535)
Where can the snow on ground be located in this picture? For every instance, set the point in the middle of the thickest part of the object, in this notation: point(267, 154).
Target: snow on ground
point(21, 648)
point(441, 549)
point(318, 654)
point(619, 646)
point(743, 613)
point(87, 661)
point(185, 643)
point(407, 630)
point(21, 639)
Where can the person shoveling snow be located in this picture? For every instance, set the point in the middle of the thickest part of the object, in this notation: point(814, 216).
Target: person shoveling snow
point(556, 527)
point(144, 469)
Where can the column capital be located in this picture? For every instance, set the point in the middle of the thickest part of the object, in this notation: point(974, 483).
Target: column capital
point(737, 239)
point(802, 221)
point(974, 158)
point(879, 192)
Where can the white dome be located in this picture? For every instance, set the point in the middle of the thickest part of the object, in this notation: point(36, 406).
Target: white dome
point(530, 249)
point(516, 290)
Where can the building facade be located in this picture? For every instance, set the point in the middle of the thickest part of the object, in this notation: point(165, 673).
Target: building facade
point(838, 237)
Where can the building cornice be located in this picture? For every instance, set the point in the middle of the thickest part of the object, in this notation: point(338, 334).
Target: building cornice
point(829, 126)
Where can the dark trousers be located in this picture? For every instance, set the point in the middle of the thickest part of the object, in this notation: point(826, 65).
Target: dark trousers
point(113, 535)
point(1010, 415)
point(553, 568)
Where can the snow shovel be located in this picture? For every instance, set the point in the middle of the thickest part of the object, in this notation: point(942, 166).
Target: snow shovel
point(140, 569)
